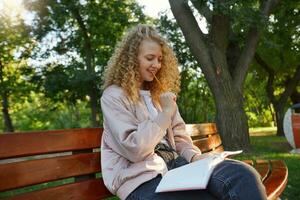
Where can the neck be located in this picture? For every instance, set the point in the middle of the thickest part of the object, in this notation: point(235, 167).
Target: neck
point(145, 86)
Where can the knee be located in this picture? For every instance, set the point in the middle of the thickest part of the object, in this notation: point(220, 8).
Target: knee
point(244, 171)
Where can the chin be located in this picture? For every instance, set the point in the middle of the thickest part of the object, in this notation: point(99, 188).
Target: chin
point(149, 79)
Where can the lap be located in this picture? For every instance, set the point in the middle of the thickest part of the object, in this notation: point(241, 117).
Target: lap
point(226, 173)
point(147, 191)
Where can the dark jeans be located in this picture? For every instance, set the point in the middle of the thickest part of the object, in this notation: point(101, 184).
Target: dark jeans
point(231, 180)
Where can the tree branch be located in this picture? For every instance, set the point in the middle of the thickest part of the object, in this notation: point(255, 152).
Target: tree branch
point(220, 29)
point(204, 10)
point(193, 36)
point(87, 41)
point(271, 77)
point(249, 49)
point(291, 86)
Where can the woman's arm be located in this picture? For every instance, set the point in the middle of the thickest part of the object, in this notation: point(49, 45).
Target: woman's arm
point(183, 142)
point(135, 140)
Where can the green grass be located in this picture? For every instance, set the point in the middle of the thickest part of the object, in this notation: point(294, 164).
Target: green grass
point(264, 146)
point(263, 129)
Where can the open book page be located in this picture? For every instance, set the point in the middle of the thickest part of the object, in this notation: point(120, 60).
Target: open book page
point(194, 175)
point(225, 154)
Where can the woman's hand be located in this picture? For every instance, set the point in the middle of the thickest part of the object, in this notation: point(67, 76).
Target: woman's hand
point(201, 156)
point(168, 103)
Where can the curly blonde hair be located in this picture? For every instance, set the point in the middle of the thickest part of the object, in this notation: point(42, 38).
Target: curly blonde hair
point(122, 68)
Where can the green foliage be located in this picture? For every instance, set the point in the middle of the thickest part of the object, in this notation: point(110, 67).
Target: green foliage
point(76, 39)
point(280, 43)
point(40, 113)
point(15, 43)
point(53, 92)
point(257, 104)
point(280, 51)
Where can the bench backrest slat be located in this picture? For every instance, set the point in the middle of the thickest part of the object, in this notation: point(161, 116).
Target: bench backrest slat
point(32, 143)
point(209, 143)
point(205, 136)
point(86, 190)
point(53, 155)
point(32, 172)
point(201, 130)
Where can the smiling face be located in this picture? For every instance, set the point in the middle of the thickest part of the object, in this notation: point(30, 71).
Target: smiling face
point(149, 59)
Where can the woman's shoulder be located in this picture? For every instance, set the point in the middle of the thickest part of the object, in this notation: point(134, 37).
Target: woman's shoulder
point(113, 91)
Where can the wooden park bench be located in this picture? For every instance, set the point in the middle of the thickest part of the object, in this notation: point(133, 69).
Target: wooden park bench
point(70, 160)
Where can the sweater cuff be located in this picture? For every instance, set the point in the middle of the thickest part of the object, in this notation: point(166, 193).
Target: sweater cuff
point(163, 120)
point(189, 153)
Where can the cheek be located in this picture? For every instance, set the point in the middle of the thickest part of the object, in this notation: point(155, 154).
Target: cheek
point(142, 66)
point(144, 63)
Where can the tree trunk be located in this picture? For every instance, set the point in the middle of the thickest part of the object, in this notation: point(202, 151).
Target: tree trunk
point(279, 110)
point(295, 96)
point(273, 115)
point(281, 100)
point(8, 126)
point(232, 119)
point(225, 79)
point(94, 107)
point(89, 61)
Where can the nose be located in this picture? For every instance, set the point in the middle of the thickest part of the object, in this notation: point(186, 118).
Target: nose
point(156, 63)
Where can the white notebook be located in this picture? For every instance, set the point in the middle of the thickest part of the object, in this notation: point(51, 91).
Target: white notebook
point(192, 176)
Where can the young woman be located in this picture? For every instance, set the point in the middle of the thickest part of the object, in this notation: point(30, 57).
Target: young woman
point(144, 134)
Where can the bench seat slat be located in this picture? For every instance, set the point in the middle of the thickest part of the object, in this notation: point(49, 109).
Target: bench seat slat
point(249, 162)
point(277, 180)
point(32, 143)
point(93, 189)
point(20, 174)
point(263, 168)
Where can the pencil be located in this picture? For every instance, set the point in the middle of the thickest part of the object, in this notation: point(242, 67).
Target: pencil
point(161, 86)
point(159, 83)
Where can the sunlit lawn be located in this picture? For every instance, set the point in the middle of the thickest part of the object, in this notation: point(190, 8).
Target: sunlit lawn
point(265, 145)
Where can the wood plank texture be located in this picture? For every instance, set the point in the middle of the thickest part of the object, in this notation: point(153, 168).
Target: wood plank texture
point(277, 180)
point(86, 190)
point(85, 163)
point(20, 174)
point(263, 168)
point(32, 143)
point(201, 130)
point(208, 143)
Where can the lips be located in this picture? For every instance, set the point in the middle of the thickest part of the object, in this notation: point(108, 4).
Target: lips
point(153, 72)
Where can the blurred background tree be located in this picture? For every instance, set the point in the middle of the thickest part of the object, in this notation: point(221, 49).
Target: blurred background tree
point(278, 60)
point(80, 35)
point(51, 66)
point(15, 46)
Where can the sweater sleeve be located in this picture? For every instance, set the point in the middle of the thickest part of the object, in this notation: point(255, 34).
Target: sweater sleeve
point(135, 140)
point(183, 142)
